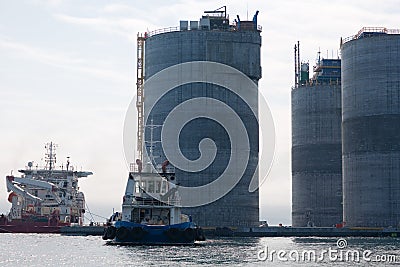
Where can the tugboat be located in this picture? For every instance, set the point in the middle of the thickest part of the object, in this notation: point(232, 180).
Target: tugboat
point(44, 199)
point(150, 211)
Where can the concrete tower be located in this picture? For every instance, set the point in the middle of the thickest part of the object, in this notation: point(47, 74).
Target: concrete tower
point(316, 145)
point(214, 39)
point(371, 127)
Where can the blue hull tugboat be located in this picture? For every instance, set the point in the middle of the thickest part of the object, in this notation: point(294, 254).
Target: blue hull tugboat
point(150, 211)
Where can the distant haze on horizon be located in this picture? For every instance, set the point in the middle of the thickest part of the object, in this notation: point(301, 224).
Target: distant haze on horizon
point(68, 74)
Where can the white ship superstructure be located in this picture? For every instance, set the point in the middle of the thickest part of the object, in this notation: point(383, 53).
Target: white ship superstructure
point(48, 192)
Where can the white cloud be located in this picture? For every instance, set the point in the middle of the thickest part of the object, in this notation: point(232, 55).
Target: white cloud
point(119, 8)
point(64, 60)
point(126, 27)
point(50, 3)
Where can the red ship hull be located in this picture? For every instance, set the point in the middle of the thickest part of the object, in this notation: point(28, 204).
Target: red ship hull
point(29, 226)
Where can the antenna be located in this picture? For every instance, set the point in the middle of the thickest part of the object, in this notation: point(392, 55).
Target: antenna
point(295, 65)
point(247, 10)
point(298, 62)
point(152, 142)
point(152, 126)
point(319, 56)
point(67, 163)
point(50, 156)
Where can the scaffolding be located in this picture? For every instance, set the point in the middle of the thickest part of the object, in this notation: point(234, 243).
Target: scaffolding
point(327, 71)
point(140, 97)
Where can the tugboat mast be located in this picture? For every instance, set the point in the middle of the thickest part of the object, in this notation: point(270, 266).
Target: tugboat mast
point(152, 143)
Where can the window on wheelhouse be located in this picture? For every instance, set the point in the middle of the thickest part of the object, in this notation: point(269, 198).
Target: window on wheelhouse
point(158, 187)
point(137, 187)
point(164, 187)
point(150, 186)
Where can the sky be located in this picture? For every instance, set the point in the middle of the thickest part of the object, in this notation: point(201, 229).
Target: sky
point(67, 75)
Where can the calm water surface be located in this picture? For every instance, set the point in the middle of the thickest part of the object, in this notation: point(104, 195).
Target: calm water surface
point(60, 250)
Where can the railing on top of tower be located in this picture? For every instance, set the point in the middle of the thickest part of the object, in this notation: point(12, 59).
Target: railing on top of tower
point(232, 27)
point(219, 14)
point(162, 30)
point(369, 30)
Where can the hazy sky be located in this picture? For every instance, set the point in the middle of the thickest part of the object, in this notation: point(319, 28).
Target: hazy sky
point(67, 74)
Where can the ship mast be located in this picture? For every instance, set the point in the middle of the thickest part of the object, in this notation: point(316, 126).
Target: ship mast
point(50, 156)
point(151, 144)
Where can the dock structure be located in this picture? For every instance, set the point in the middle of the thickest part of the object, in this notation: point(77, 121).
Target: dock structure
point(83, 230)
point(282, 231)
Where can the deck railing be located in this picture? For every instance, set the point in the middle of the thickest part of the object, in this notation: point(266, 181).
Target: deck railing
point(155, 202)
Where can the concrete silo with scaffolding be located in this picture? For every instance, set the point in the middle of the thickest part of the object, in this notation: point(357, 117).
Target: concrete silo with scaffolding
point(316, 143)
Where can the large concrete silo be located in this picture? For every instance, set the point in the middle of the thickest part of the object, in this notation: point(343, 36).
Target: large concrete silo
point(211, 39)
point(316, 146)
point(371, 127)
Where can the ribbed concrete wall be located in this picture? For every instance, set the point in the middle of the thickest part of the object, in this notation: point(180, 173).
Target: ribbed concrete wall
point(371, 131)
point(316, 155)
point(240, 50)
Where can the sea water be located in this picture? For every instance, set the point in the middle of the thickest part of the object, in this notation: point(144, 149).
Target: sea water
point(63, 250)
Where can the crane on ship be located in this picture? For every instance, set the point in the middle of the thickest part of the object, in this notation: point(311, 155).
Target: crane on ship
point(139, 91)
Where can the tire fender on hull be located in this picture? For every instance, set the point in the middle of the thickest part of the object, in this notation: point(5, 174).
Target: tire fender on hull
point(122, 233)
point(189, 234)
point(137, 233)
point(174, 234)
point(109, 233)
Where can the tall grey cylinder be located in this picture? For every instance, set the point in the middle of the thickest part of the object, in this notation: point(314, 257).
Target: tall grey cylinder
point(316, 155)
point(371, 130)
point(238, 49)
